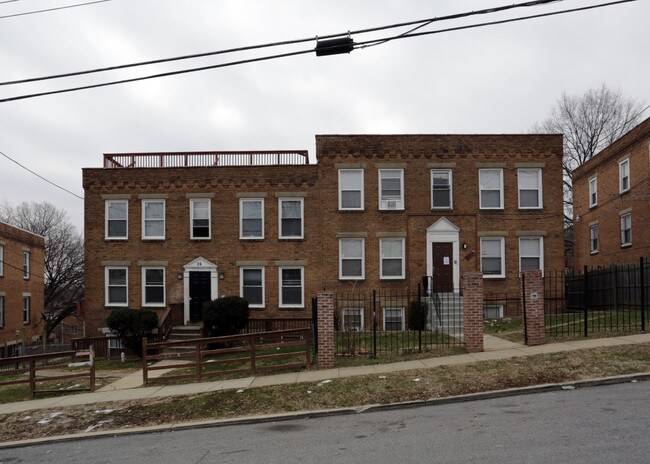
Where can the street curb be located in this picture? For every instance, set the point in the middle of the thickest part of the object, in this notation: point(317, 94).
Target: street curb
point(544, 388)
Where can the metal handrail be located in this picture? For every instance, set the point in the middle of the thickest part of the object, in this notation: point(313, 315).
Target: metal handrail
point(206, 159)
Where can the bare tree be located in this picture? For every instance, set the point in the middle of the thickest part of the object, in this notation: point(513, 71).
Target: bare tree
point(64, 257)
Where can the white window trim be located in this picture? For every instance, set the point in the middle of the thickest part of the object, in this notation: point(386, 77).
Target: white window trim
point(361, 188)
point(106, 293)
point(629, 243)
point(192, 201)
point(106, 219)
point(622, 163)
point(2, 311)
point(593, 191)
point(27, 309)
point(241, 284)
point(302, 287)
point(501, 204)
point(26, 264)
point(144, 287)
point(361, 318)
point(392, 308)
point(593, 250)
point(541, 251)
point(381, 259)
point(451, 188)
point(363, 259)
point(540, 196)
point(302, 218)
point(2, 260)
point(502, 241)
point(400, 205)
point(164, 219)
point(241, 218)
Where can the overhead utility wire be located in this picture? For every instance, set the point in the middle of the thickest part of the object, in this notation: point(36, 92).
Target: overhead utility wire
point(302, 52)
point(39, 176)
point(422, 22)
point(52, 9)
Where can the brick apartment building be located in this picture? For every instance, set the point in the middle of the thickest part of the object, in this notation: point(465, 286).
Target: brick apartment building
point(21, 288)
point(610, 202)
point(374, 212)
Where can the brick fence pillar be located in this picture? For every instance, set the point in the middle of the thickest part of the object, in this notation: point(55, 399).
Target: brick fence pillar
point(325, 315)
point(531, 290)
point(472, 284)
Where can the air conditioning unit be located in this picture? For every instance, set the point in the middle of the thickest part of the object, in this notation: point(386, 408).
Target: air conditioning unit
point(391, 204)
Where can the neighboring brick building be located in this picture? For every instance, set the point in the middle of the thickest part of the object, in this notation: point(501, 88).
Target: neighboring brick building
point(21, 288)
point(376, 211)
point(610, 202)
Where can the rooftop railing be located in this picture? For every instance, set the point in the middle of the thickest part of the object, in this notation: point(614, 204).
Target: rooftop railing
point(208, 158)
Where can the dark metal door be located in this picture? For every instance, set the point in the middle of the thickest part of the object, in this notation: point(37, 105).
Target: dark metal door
point(199, 294)
point(443, 267)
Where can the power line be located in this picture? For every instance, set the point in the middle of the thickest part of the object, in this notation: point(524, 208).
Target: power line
point(22, 270)
point(422, 23)
point(51, 9)
point(39, 176)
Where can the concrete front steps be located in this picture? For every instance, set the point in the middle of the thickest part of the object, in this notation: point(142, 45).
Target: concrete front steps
point(449, 320)
point(181, 333)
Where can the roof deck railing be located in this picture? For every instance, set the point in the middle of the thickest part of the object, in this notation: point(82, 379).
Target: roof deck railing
point(206, 158)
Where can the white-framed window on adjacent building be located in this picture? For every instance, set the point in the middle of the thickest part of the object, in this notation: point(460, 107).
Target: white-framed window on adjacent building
point(530, 188)
point(2, 311)
point(291, 222)
point(27, 307)
point(593, 239)
point(391, 189)
point(2, 260)
point(391, 250)
point(441, 189)
point(531, 253)
point(117, 219)
point(393, 318)
point(292, 284)
point(626, 229)
point(351, 189)
point(153, 219)
point(251, 218)
point(116, 280)
point(352, 319)
point(351, 258)
point(251, 285)
point(153, 286)
point(493, 257)
point(200, 219)
point(624, 175)
point(491, 188)
point(26, 264)
point(593, 192)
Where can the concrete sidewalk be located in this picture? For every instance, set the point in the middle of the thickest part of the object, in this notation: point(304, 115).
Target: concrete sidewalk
point(130, 387)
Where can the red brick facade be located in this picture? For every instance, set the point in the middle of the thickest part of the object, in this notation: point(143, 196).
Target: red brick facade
point(21, 289)
point(532, 294)
point(473, 311)
point(605, 204)
point(368, 216)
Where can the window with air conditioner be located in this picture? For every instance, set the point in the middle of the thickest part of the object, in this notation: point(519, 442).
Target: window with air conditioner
point(391, 189)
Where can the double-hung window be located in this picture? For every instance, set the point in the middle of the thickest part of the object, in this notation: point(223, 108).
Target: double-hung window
point(491, 188)
point(593, 192)
point(441, 197)
point(2, 260)
point(351, 259)
point(252, 285)
point(391, 189)
point(200, 218)
point(393, 318)
point(292, 287)
point(593, 239)
point(153, 219)
point(391, 251)
point(493, 257)
point(626, 229)
point(291, 218)
point(116, 213)
point(26, 256)
point(531, 253)
point(352, 319)
point(530, 188)
point(153, 286)
point(27, 307)
point(251, 212)
point(116, 281)
point(624, 175)
point(350, 189)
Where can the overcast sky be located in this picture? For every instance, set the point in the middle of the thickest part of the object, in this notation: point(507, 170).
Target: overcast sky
point(497, 79)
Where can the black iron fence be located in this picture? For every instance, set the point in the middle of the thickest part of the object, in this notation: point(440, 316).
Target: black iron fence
point(597, 302)
point(378, 322)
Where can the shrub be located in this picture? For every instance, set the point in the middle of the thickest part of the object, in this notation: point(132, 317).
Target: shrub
point(418, 316)
point(225, 316)
point(132, 325)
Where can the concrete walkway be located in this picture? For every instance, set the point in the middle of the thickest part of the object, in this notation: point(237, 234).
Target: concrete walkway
point(130, 387)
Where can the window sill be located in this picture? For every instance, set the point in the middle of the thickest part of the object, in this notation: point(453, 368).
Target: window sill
point(624, 192)
point(116, 305)
point(291, 239)
point(352, 279)
point(251, 239)
point(391, 210)
point(355, 210)
point(153, 239)
point(531, 208)
point(200, 239)
point(396, 279)
point(491, 209)
point(595, 252)
point(442, 208)
point(154, 305)
point(116, 239)
point(494, 277)
point(593, 206)
point(292, 308)
point(626, 245)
